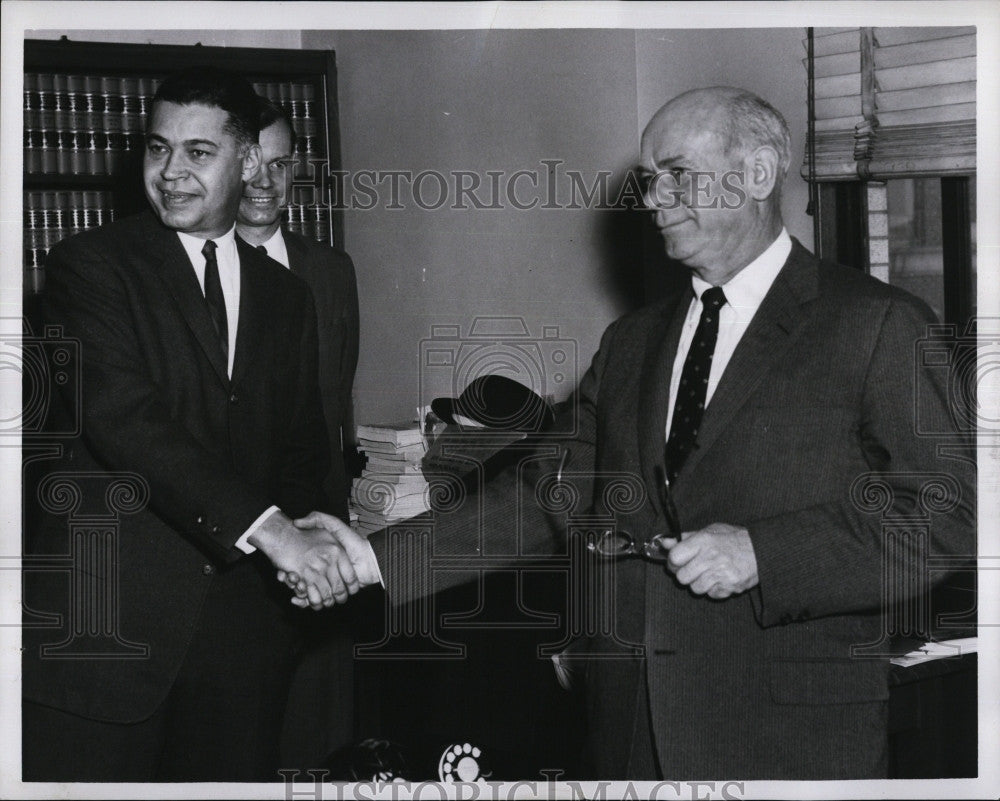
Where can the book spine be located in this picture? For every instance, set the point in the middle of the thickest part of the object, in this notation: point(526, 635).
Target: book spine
point(114, 104)
point(34, 243)
point(52, 215)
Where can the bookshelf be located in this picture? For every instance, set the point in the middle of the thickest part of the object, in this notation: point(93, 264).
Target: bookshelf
point(85, 110)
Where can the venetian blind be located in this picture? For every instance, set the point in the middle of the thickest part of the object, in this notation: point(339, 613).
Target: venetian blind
point(893, 102)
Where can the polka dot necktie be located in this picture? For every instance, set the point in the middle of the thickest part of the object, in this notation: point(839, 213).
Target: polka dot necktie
point(691, 394)
point(214, 297)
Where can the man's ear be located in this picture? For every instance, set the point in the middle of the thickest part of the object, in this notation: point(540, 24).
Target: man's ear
point(252, 161)
point(762, 172)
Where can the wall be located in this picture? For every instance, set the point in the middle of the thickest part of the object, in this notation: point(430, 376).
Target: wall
point(504, 100)
point(482, 100)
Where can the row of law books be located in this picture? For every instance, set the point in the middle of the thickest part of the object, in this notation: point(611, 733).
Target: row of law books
point(52, 151)
point(86, 124)
point(310, 221)
point(392, 487)
point(114, 103)
point(83, 124)
point(50, 216)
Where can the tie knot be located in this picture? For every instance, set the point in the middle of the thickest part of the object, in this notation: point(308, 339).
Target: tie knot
point(208, 250)
point(262, 249)
point(713, 298)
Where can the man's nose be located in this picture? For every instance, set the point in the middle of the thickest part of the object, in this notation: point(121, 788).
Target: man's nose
point(664, 195)
point(262, 180)
point(174, 167)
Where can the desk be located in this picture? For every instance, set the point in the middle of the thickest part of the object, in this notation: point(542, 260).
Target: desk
point(933, 725)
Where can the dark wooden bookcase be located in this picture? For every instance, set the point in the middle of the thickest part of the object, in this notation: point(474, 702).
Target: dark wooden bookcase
point(85, 107)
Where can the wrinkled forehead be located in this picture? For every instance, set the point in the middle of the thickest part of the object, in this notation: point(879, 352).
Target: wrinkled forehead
point(684, 132)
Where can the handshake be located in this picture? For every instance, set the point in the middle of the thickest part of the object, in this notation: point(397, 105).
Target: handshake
point(319, 557)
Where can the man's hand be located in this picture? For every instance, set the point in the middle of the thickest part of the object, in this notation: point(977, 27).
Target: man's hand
point(717, 561)
point(358, 551)
point(322, 568)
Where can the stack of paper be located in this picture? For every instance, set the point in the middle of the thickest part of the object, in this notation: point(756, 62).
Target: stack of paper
point(945, 649)
point(392, 486)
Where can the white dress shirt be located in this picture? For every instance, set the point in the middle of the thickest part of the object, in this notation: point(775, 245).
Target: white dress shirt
point(275, 247)
point(228, 259)
point(744, 293)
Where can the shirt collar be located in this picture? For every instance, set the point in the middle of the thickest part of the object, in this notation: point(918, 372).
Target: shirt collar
point(746, 290)
point(277, 241)
point(225, 246)
point(277, 249)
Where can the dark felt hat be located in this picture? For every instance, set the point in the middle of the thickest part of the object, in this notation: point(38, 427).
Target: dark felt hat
point(496, 401)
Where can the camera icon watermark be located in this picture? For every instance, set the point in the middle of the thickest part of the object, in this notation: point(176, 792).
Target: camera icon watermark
point(967, 365)
point(545, 363)
point(48, 364)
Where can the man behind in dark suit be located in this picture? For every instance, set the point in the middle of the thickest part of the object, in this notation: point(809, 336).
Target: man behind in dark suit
point(788, 435)
point(201, 415)
point(328, 271)
point(319, 715)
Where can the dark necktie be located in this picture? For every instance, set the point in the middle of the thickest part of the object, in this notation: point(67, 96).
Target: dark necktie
point(262, 249)
point(690, 403)
point(214, 297)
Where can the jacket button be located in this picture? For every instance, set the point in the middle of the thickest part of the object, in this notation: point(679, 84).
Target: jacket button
point(208, 570)
point(200, 520)
point(215, 530)
point(234, 398)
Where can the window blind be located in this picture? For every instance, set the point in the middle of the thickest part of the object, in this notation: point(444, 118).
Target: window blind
point(893, 102)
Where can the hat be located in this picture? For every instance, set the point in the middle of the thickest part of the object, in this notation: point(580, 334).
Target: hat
point(497, 402)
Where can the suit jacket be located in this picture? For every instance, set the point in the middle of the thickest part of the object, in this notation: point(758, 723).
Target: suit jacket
point(329, 272)
point(821, 391)
point(211, 454)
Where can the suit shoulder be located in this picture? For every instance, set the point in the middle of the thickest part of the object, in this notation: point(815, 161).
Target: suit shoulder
point(117, 247)
point(328, 271)
point(120, 234)
point(651, 315)
point(847, 287)
point(275, 274)
point(319, 251)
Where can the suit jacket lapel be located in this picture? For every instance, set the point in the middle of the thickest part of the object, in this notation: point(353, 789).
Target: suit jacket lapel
point(253, 308)
point(297, 255)
point(764, 344)
point(654, 392)
point(177, 274)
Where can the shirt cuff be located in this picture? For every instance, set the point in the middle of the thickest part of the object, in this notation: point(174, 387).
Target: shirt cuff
point(373, 560)
point(242, 543)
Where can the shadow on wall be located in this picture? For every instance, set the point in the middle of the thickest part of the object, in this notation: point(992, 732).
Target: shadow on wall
point(635, 269)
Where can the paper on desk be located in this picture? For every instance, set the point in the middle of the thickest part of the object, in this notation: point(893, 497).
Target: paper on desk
point(930, 651)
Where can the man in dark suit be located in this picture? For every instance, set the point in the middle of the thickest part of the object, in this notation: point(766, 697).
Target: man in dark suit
point(201, 415)
point(778, 395)
point(328, 271)
point(319, 715)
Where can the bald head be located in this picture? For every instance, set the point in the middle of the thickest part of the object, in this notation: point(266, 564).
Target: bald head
point(740, 119)
point(713, 161)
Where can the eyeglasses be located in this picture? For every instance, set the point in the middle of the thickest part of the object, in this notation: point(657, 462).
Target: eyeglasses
point(619, 544)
